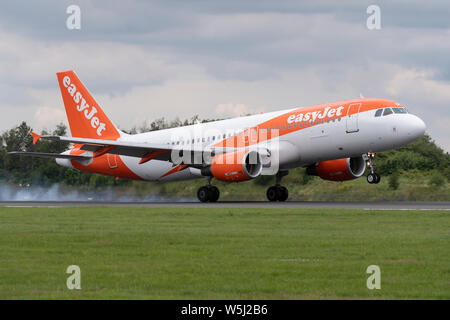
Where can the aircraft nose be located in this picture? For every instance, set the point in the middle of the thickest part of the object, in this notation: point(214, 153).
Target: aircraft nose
point(416, 127)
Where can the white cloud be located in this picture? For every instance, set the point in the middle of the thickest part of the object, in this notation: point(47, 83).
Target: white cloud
point(233, 110)
point(47, 117)
point(221, 63)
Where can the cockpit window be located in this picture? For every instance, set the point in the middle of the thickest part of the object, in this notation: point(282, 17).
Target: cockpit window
point(379, 112)
point(387, 111)
point(399, 110)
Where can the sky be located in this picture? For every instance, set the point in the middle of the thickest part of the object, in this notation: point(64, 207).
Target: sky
point(144, 60)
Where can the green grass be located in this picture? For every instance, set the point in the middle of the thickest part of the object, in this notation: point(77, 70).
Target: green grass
point(166, 253)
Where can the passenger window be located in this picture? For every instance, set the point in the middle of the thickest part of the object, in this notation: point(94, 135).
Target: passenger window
point(387, 111)
point(379, 112)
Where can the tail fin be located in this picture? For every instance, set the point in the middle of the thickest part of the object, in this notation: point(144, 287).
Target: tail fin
point(86, 118)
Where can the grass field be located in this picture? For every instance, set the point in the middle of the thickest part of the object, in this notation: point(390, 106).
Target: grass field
point(165, 253)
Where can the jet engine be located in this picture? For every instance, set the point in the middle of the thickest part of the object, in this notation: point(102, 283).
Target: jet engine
point(339, 169)
point(239, 165)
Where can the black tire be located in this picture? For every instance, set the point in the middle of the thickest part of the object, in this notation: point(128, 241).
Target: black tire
point(377, 178)
point(203, 194)
point(282, 193)
point(214, 193)
point(371, 178)
point(272, 194)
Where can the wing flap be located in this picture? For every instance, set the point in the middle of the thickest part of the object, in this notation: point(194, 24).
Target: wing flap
point(50, 155)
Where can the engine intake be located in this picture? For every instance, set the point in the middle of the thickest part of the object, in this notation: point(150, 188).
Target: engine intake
point(339, 169)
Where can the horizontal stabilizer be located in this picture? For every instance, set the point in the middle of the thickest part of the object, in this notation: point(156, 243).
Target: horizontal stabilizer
point(50, 155)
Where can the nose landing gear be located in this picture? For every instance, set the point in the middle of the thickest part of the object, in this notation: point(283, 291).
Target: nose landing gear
point(278, 192)
point(372, 177)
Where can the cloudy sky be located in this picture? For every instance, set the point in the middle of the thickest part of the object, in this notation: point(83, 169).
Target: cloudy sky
point(144, 60)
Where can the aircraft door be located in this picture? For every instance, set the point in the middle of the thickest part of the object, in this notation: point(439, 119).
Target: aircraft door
point(352, 118)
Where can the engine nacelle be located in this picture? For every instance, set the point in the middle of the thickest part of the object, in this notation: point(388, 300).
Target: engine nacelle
point(339, 169)
point(240, 165)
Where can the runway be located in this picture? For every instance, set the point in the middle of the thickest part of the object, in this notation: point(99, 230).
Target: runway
point(380, 205)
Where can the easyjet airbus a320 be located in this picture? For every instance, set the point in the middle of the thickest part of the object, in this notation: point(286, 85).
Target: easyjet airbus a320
point(335, 141)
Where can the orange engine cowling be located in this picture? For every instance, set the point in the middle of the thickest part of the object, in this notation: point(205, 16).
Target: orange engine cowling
point(339, 169)
point(236, 166)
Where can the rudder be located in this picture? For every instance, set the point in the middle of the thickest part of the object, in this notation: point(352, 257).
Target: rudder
point(86, 118)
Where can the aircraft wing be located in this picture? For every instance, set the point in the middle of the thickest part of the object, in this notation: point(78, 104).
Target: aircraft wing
point(145, 151)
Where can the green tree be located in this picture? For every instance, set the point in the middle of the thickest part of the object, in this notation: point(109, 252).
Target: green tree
point(436, 180)
point(394, 180)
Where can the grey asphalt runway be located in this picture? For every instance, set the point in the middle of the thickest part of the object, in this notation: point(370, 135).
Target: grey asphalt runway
point(381, 205)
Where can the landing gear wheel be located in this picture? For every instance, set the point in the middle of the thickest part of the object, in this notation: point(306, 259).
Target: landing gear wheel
point(277, 193)
point(214, 193)
point(282, 193)
point(373, 178)
point(208, 193)
point(203, 194)
point(272, 194)
point(377, 178)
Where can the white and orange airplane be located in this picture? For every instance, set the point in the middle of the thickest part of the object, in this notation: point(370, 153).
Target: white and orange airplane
point(335, 141)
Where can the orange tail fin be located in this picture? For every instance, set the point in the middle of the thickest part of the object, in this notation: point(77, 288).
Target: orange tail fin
point(86, 118)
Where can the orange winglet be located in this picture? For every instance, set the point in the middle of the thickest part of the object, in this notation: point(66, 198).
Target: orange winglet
point(153, 155)
point(103, 150)
point(36, 137)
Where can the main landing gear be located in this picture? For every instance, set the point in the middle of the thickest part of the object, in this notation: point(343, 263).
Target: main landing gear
point(278, 192)
point(208, 193)
point(372, 177)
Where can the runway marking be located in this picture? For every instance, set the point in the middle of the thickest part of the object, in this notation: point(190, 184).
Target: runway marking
point(407, 209)
point(388, 205)
point(33, 206)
